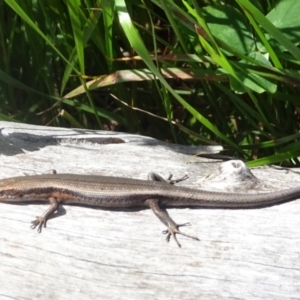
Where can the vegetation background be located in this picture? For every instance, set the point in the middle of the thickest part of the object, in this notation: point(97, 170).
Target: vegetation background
point(184, 71)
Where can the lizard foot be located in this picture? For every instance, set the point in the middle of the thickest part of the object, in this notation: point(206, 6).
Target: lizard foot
point(173, 229)
point(39, 222)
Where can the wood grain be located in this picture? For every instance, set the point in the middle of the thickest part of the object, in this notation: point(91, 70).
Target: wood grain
point(89, 253)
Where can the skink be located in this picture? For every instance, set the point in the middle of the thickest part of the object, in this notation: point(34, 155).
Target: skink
point(118, 192)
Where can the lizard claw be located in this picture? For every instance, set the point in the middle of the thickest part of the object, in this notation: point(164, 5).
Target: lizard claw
point(173, 229)
point(38, 222)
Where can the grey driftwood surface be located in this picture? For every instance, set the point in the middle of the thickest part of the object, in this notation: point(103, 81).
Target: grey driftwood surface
point(89, 253)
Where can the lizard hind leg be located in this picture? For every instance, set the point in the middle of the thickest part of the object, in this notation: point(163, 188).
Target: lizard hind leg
point(172, 227)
